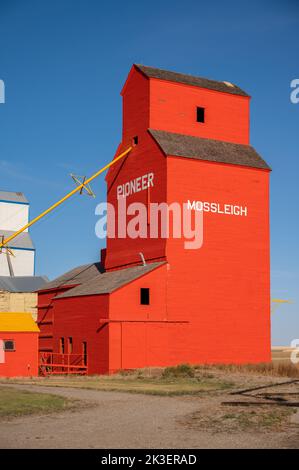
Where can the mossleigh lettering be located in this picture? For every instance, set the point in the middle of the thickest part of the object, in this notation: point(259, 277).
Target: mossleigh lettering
point(217, 208)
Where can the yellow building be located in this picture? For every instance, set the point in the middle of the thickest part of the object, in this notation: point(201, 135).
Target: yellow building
point(18, 294)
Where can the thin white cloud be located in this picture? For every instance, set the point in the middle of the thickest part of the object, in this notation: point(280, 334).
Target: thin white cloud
point(15, 171)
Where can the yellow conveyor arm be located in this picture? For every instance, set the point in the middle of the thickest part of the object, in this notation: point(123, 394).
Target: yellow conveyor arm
point(70, 194)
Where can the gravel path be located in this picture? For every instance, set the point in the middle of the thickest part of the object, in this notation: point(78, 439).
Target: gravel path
point(124, 420)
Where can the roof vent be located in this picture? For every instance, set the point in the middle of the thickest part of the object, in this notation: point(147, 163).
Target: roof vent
point(229, 84)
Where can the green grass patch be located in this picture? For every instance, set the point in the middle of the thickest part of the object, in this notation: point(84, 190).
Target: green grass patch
point(180, 371)
point(171, 381)
point(19, 402)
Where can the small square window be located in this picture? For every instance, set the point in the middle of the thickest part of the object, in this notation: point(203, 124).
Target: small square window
point(144, 296)
point(9, 345)
point(200, 114)
point(135, 140)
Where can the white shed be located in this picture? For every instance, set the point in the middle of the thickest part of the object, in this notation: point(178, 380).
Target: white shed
point(14, 214)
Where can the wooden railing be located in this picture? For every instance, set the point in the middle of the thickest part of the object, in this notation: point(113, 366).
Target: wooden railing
point(62, 364)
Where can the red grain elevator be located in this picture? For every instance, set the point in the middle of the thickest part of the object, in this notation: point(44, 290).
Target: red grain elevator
point(151, 301)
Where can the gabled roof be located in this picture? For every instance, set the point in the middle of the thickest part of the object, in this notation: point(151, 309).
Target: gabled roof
point(75, 276)
point(225, 87)
point(22, 283)
point(181, 145)
point(11, 196)
point(17, 322)
point(109, 281)
point(23, 240)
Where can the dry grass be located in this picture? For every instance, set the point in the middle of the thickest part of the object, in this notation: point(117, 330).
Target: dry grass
point(271, 369)
point(273, 419)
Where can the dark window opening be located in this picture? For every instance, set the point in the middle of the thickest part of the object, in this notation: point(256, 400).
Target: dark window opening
point(9, 345)
point(84, 352)
point(200, 114)
point(135, 140)
point(61, 346)
point(70, 345)
point(144, 296)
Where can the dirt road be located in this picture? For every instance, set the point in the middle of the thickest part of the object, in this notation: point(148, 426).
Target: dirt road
point(123, 420)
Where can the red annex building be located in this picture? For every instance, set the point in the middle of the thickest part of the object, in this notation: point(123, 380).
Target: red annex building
point(151, 301)
point(18, 345)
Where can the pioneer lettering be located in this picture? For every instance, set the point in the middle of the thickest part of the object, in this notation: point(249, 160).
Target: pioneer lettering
point(134, 186)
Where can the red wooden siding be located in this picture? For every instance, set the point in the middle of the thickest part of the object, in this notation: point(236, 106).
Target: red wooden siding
point(23, 362)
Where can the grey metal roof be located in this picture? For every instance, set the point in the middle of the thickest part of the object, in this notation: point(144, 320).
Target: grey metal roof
point(75, 276)
point(12, 196)
point(22, 283)
point(109, 281)
point(225, 87)
point(21, 241)
point(182, 145)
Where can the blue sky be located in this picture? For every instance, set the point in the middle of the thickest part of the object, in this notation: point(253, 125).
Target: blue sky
point(64, 62)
